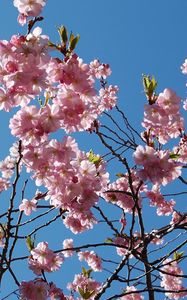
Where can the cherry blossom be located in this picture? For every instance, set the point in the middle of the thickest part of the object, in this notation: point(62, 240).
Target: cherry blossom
point(42, 258)
point(170, 281)
point(164, 208)
point(4, 184)
point(92, 259)
point(124, 200)
point(34, 290)
point(85, 283)
point(184, 67)
point(135, 296)
point(28, 8)
point(68, 243)
point(99, 70)
point(162, 119)
point(158, 167)
point(28, 206)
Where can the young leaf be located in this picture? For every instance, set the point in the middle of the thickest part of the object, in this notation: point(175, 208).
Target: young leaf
point(178, 255)
point(30, 243)
point(73, 41)
point(174, 156)
point(63, 34)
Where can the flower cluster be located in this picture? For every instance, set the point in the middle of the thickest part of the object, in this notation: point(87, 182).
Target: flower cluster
point(92, 259)
point(158, 166)
point(28, 8)
point(120, 192)
point(181, 150)
point(171, 279)
point(40, 290)
point(162, 119)
point(44, 259)
point(23, 68)
point(28, 206)
point(125, 244)
point(164, 208)
point(70, 88)
point(85, 284)
point(73, 181)
point(132, 296)
point(68, 243)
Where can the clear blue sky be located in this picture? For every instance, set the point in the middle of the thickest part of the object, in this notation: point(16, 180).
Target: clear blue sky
point(133, 36)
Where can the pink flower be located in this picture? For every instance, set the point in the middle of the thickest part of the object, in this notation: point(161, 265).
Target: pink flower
point(164, 208)
point(85, 283)
point(4, 184)
point(121, 199)
point(125, 243)
point(108, 98)
point(56, 293)
point(162, 119)
point(92, 259)
point(184, 67)
point(132, 296)
point(42, 258)
point(170, 281)
point(29, 7)
point(34, 290)
point(79, 222)
point(157, 165)
point(28, 206)
point(185, 104)
point(68, 243)
point(99, 70)
point(2, 236)
point(178, 218)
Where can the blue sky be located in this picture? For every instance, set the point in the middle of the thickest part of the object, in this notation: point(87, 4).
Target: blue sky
point(133, 36)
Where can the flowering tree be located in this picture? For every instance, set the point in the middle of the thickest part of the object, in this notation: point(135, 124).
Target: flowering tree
point(53, 89)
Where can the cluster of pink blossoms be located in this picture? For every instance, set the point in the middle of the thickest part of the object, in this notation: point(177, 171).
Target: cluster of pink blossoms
point(84, 283)
point(44, 259)
point(133, 296)
point(157, 165)
point(74, 103)
point(7, 167)
point(181, 150)
point(170, 281)
point(124, 244)
point(23, 68)
point(92, 259)
point(72, 180)
point(164, 208)
point(28, 8)
point(162, 119)
point(71, 102)
point(28, 206)
point(178, 218)
point(68, 243)
point(40, 290)
point(119, 192)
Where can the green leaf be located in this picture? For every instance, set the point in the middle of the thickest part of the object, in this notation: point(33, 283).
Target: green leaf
point(174, 156)
point(30, 243)
point(86, 273)
point(109, 240)
point(120, 175)
point(63, 34)
point(149, 84)
point(95, 159)
point(85, 294)
point(73, 41)
point(81, 292)
point(154, 83)
point(178, 255)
